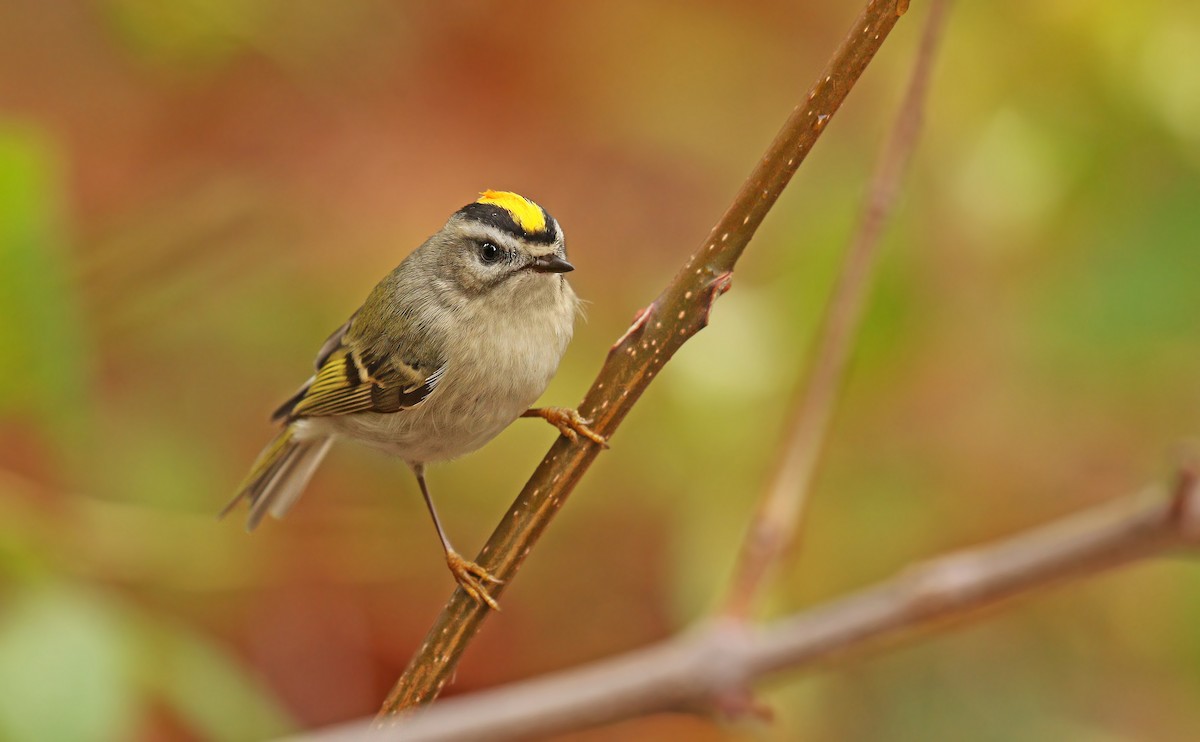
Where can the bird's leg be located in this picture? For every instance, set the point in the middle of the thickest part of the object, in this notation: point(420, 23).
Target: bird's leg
point(471, 577)
point(569, 422)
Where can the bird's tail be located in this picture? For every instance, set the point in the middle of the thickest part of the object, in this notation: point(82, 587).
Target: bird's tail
point(279, 475)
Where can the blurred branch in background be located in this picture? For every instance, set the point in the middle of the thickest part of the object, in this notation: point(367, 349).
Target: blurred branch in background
point(658, 331)
point(719, 659)
point(781, 509)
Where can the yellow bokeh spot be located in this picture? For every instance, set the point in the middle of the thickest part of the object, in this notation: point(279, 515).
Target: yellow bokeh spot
point(526, 213)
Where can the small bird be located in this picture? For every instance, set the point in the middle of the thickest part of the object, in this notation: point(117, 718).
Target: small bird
point(452, 346)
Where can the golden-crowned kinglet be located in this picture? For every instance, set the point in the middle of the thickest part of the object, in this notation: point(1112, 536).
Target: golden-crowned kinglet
point(450, 348)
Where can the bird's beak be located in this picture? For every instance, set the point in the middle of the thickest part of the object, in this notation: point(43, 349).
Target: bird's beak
point(551, 264)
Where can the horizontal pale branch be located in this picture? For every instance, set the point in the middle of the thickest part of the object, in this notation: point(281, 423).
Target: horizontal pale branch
point(718, 660)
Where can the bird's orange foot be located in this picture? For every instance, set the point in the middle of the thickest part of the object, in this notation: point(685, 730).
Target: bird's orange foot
point(569, 422)
point(473, 579)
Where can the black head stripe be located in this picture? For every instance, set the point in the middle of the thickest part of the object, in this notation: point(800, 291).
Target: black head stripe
point(500, 218)
point(551, 232)
point(493, 216)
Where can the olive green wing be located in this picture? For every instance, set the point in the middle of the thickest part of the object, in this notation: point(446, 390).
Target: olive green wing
point(354, 378)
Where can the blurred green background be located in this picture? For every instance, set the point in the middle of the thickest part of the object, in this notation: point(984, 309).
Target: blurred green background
point(193, 194)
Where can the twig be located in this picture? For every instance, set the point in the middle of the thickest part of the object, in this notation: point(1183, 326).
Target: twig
point(657, 332)
point(724, 656)
point(781, 509)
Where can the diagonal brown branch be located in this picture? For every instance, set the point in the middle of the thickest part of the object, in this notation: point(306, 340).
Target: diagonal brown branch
point(658, 331)
point(783, 503)
point(706, 664)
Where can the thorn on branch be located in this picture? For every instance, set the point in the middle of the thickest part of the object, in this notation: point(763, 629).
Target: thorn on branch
point(716, 288)
point(639, 323)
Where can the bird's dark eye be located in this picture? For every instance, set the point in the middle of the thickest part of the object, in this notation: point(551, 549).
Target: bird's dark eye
point(488, 252)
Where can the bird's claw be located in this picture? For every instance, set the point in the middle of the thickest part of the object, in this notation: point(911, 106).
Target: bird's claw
point(570, 423)
point(473, 579)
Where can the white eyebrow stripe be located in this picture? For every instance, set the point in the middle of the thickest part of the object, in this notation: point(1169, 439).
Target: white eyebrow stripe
point(510, 242)
point(484, 233)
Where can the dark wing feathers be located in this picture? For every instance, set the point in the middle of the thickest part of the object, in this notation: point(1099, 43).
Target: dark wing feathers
point(350, 380)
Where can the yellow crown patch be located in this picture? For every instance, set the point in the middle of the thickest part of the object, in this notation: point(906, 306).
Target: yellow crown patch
point(528, 215)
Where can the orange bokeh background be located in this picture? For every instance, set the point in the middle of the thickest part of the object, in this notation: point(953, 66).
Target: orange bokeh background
point(193, 195)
